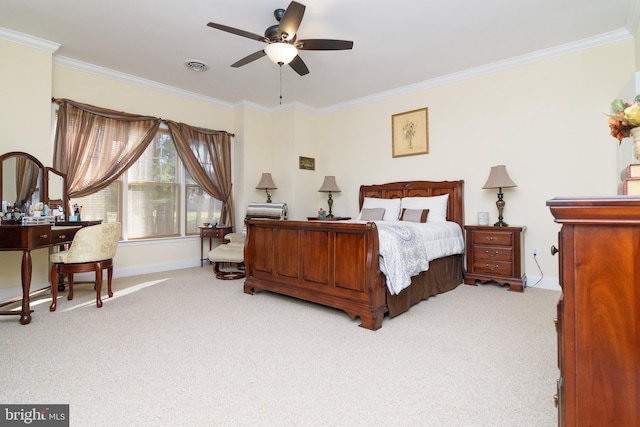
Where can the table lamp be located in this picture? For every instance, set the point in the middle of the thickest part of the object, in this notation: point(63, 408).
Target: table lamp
point(328, 186)
point(499, 178)
point(266, 184)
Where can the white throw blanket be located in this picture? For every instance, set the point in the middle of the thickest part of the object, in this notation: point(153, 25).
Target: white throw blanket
point(402, 254)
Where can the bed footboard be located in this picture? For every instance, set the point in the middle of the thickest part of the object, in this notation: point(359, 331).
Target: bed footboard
point(335, 264)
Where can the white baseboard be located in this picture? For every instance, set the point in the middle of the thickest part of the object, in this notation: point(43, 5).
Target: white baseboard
point(156, 268)
point(551, 283)
point(16, 291)
point(144, 269)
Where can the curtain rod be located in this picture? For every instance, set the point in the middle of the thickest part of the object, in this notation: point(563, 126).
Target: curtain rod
point(60, 100)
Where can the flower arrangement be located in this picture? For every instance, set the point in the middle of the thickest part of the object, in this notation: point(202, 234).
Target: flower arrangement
point(623, 117)
point(409, 131)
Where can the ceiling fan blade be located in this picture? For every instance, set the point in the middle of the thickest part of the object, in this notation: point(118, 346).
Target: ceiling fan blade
point(238, 32)
point(291, 20)
point(299, 66)
point(244, 61)
point(324, 44)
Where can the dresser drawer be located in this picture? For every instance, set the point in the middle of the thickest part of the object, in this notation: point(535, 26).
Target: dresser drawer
point(492, 253)
point(61, 235)
point(39, 236)
point(493, 268)
point(492, 238)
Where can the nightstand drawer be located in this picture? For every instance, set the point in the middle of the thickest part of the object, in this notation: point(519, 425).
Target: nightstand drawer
point(492, 238)
point(492, 253)
point(495, 268)
point(214, 232)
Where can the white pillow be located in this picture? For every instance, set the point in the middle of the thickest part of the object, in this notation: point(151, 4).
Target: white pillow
point(371, 214)
point(391, 207)
point(437, 206)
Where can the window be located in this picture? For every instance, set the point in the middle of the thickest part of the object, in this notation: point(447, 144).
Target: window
point(152, 203)
point(105, 204)
point(200, 206)
point(154, 191)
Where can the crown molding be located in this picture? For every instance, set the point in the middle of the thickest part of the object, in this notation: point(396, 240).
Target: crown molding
point(252, 106)
point(27, 40)
point(541, 55)
point(568, 48)
point(138, 81)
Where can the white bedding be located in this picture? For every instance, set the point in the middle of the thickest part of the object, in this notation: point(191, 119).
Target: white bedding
point(407, 247)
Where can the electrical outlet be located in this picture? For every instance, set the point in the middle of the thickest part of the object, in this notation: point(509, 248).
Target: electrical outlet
point(534, 252)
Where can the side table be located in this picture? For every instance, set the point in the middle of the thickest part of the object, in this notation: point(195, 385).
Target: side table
point(211, 233)
point(495, 254)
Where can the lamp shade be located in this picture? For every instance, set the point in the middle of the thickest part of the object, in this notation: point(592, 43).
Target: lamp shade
point(266, 182)
point(329, 185)
point(499, 178)
point(281, 53)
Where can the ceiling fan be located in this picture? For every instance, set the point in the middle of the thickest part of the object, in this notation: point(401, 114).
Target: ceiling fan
point(282, 44)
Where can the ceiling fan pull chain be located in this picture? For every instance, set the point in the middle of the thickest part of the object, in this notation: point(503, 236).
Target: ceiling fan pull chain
point(280, 83)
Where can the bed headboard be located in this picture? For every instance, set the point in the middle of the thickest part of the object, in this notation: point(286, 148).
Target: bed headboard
point(455, 190)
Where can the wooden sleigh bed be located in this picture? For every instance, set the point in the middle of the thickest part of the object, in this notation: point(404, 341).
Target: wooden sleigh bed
point(336, 263)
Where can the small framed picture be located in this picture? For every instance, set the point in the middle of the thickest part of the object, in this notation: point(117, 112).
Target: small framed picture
point(410, 133)
point(308, 163)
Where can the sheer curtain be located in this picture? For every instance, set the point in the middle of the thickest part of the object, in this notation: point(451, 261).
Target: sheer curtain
point(207, 156)
point(94, 146)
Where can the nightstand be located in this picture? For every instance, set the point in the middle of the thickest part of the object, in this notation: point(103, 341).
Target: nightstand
point(211, 233)
point(495, 254)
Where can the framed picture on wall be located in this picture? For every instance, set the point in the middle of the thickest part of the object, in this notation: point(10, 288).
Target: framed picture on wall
point(410, 133)
point(308, 163)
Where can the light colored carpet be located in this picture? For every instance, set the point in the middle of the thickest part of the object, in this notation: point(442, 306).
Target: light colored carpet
point(182, 348)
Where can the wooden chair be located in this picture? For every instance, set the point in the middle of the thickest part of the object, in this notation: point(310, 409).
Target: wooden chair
point(92, 249)
point(232, 251)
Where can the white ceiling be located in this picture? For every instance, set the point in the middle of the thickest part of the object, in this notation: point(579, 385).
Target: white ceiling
point(396, 43)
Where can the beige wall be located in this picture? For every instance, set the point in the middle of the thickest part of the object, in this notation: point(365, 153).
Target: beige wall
point(25, 111)
point(637, 45)
point(544, 120)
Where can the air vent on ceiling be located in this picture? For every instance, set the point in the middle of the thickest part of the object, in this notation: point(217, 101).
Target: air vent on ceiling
point(195, 65)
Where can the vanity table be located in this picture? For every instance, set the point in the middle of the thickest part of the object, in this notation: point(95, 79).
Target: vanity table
point(24, 179)
point(26, 238)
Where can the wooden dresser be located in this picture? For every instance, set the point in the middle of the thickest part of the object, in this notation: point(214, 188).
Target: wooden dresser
point(598, 321)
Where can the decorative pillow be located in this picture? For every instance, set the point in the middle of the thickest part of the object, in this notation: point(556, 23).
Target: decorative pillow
point(391, 207)
point(414, 215)
point(371, 214)
point(437, 206)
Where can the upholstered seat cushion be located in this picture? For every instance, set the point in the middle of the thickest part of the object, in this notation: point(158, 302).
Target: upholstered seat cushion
point(59, 257)
point(231, 252)
point(95, 243)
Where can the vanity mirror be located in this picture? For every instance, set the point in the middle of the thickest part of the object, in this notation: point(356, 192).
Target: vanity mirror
point(24, 178)
point(56, 192)
point(21, 177)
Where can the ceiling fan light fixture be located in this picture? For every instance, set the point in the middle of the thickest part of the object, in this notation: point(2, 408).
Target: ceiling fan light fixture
point(280, 52)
